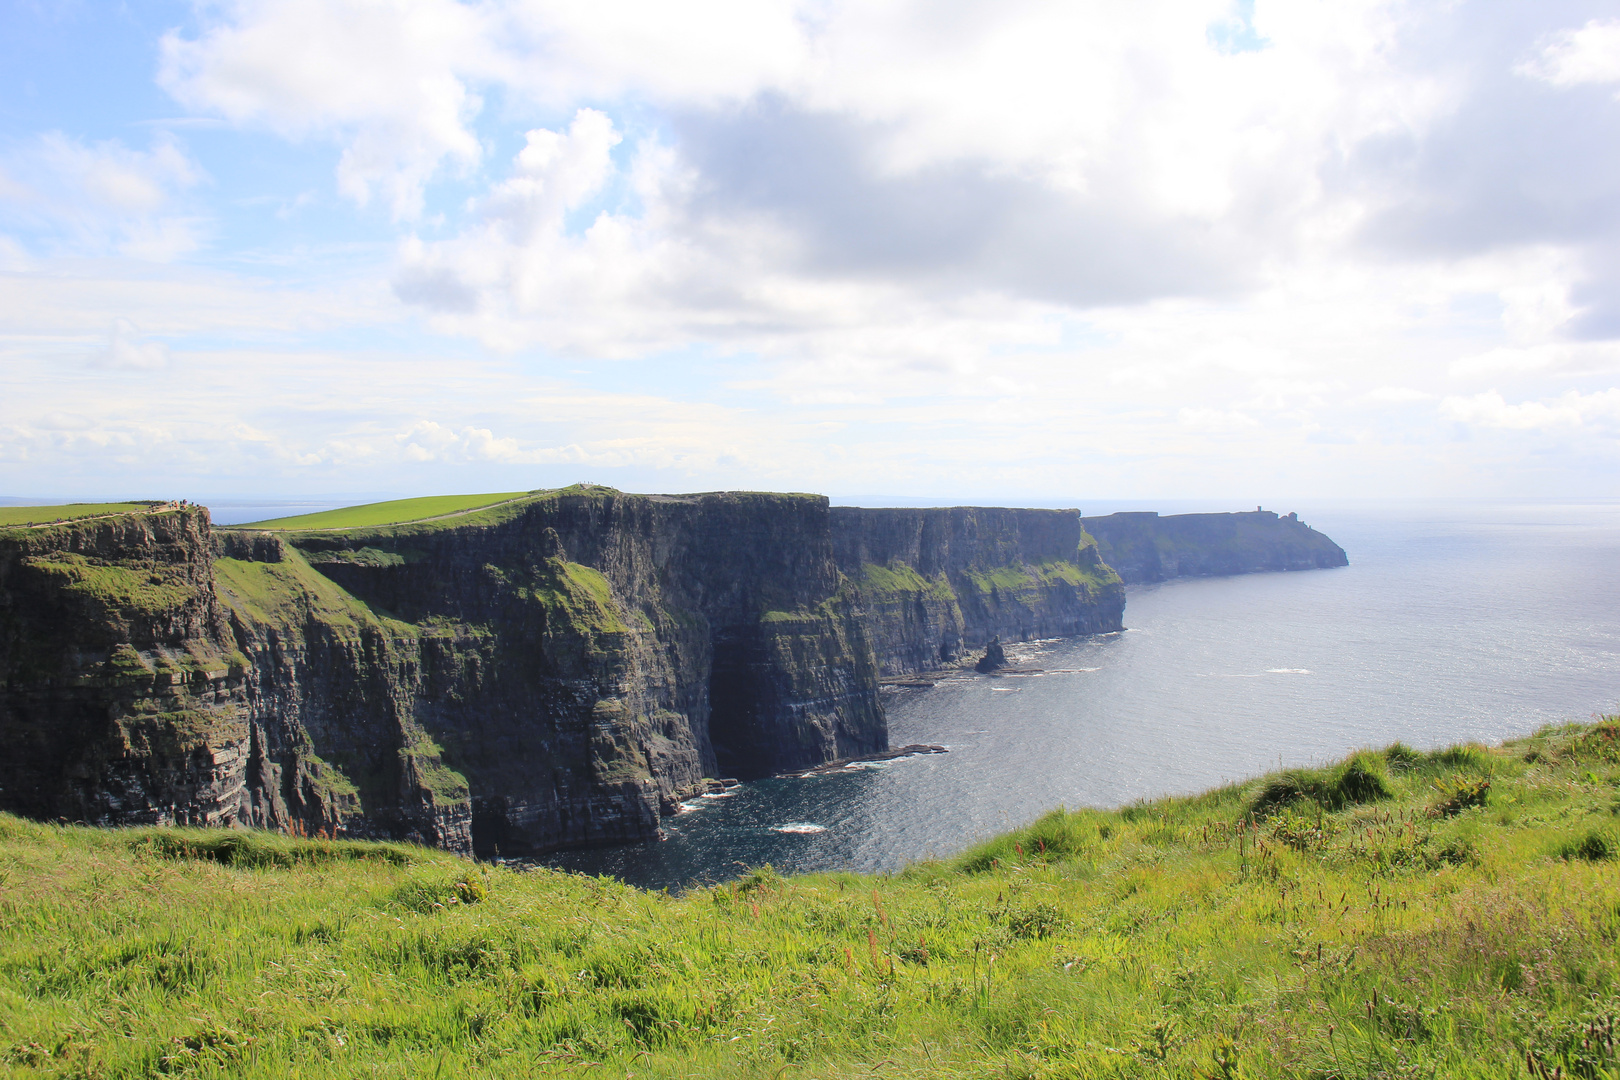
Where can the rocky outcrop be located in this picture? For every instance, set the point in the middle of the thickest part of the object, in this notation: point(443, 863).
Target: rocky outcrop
point(937, 583)
point(121, 697)
point(554, 671)
point(131, 692)
point(994, 658)
point(1145, 547)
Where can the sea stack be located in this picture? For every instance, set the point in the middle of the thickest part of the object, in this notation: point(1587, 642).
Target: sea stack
point(994, 658)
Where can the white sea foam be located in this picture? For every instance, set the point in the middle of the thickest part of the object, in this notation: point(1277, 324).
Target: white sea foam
point(804, 827)
point(1004, 689)
point(1289, 671)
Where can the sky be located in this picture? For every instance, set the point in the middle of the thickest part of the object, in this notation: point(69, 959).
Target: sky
point(1013, 250)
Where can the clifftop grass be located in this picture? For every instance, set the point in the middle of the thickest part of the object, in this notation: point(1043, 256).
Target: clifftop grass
point(41, 515)
point(394, 512)
point(406, 517)
point(1451, 914)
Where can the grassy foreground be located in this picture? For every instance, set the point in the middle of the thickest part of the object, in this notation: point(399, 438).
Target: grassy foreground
point(1400, 914)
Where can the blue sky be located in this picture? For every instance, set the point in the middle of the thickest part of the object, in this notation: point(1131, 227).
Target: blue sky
point(1026, 252)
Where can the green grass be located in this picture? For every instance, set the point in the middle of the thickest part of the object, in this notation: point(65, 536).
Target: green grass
point(395, 512)
point(1015, 579)
point(290, 592)
point(40, 515)
point(134, 590)
point(1230, 934)
point(899, 580)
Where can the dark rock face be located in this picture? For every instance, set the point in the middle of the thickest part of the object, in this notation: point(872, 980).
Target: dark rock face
point(554, 672)
point(662, 640)
point(936, 584)
point(994, 658)
point(131, 694)
point(1145, 547)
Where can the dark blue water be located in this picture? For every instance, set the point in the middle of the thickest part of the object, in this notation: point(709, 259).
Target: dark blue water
point(1451, 623)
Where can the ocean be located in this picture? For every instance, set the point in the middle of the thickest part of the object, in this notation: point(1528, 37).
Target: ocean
point(1453, 622)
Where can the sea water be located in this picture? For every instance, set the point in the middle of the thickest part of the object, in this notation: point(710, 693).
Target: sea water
point(1452, 623)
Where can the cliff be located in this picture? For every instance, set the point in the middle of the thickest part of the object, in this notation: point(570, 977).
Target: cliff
point(1144, 547)
point(555, 670)
point(938, 583)
point(144, 682)
point(585, 658)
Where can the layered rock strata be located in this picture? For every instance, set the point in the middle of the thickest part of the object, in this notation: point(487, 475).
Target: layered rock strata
point(937, 584)
point(555, 671)
point(1145, 547)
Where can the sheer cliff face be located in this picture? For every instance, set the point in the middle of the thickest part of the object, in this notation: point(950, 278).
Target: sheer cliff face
point(587, 659)
point(553, 672)
point(130, 694)
point(1145, 547)
point(121, 693)
point(937, 583)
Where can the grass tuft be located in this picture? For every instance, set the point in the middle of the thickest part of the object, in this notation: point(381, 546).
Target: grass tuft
point(1597, 845)
point(1459, 793)
point(1364, 778)
point(256, 849)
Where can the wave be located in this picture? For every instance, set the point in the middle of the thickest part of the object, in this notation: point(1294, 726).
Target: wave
point(1289, 671)
point(799, 827)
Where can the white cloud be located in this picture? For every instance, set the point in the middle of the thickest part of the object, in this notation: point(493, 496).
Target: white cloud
point(1572, 409)
point(1129, 107)
point(117, 178)
point(105, 196)
point(429, 441)
point(1215, 420)
point(387, 78)
point(127, 348)
point(832, 178)
point(1396, 395)
point(1575, 57)
point(1561, 357)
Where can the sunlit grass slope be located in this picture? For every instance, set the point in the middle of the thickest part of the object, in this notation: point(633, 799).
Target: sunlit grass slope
point(1447, 914)
point(37, 515)
point(396, 512)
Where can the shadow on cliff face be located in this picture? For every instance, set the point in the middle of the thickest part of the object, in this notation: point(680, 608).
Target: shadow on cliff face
point(735, 722)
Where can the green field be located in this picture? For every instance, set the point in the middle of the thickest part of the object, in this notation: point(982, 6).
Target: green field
point(36, 515)
point(396, 512)
point(1446, 914)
